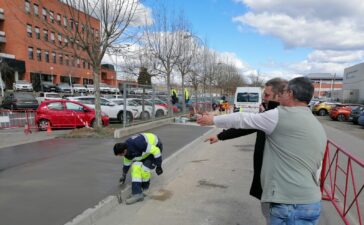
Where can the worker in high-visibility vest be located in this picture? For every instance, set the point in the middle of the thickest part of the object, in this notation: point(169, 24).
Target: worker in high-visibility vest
point(143, 153)
point(174, 96)
point(187, 97)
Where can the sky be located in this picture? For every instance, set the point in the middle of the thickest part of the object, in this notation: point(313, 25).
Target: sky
point(279, 37)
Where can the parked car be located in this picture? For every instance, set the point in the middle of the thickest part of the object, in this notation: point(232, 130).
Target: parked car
point(158, 109)
point(47, 86)
point(19, 100)
point(114, 90)
point(341, 112)
point(164, 104)
point(355, 113)
point(43, 96)
point(104, 88)
point(78, 88)
point(324, 108)
point(64, 87)
point(361, 119)
point(90, 88)
point(22, 85)
point(113, 110)
point(66, 114)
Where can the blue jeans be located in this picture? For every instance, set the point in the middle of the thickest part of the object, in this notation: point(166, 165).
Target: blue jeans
point(294, 214)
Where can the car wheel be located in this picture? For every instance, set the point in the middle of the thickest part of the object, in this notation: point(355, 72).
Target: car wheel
point(145, 115)
point(129, 117)
point(322, 112)
point(43, 124)
point(159, 113)
point(341, 117)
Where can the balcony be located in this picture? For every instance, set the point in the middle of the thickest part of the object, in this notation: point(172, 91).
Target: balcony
point(1, 14)
point(2, 37)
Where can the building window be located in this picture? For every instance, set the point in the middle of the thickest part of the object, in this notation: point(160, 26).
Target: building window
point(65, 23)
point(37, 32)
point(51, 16)
point(30, 53)
point(46, 56)
point(27, 7)
point(39, 54)
point(29, 30)
point(45, 34)
point(60, 39)
point(36, 9)
point(52, 37)
point(59, 19)
point(44, 12)
point(60, 59)
point(67, 60)
point(54, 57)
point(71, 23)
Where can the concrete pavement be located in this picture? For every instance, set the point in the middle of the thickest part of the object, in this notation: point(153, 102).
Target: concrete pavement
point(206, 184)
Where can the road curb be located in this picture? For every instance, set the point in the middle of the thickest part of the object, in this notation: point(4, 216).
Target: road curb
point(118, 133)
point(107, 205)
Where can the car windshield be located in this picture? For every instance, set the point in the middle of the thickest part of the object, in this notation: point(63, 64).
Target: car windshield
point(53, 95)
point(22, 82)
point(25, 96)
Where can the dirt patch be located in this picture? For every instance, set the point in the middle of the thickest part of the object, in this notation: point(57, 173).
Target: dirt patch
point(91, 132)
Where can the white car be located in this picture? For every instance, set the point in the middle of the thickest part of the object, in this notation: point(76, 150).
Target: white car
point(130, 103)
point(114, 90)
point(111, 109)
point(78, 88)
point(104, 88)
point(159, 110)
point(90, 88)
point(22, 85)
point(48, 96)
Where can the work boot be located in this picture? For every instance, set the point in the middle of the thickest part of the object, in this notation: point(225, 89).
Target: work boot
point(134, 198)
point(146, 192)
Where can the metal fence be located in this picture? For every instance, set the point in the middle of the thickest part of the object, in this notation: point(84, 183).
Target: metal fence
point(342, 183)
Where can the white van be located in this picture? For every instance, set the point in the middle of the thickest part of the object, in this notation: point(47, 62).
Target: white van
point(247, 99)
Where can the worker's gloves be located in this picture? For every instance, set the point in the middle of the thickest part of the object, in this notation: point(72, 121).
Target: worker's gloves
point(159, 170)
point(122, 179)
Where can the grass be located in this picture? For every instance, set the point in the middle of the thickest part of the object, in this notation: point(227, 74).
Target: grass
point(104, 132)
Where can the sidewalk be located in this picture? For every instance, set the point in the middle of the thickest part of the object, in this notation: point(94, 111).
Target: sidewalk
point(206, 184)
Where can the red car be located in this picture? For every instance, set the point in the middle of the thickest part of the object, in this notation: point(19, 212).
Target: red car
point(66, 114)
point(342, 112)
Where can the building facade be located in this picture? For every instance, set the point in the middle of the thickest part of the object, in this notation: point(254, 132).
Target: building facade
point(354, 83)
point(326, 84)
point(37, 43)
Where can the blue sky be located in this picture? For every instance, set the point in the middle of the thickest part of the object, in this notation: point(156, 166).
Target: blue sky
point(280, 37)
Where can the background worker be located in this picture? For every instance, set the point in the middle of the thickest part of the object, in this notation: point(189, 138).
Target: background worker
point(143, 153)
point(174, 96)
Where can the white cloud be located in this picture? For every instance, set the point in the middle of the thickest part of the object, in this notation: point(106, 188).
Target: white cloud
point(332, 28)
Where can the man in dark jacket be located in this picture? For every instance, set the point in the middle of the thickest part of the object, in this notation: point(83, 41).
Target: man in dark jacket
point(270, 101)
point(143, 153)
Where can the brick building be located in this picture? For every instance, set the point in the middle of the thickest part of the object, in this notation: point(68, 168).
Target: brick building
point(326, 83)
point(35, 43)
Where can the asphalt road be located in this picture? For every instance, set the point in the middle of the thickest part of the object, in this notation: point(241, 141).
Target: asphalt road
point(50, 182)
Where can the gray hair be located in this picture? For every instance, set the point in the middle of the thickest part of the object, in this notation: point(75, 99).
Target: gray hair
point(277, 84)
point(302, 89)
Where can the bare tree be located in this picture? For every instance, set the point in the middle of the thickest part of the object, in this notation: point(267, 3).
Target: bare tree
point(162, 41)
point(256, 80)
point(79, 34)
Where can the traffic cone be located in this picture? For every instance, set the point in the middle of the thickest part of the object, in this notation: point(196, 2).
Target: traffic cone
point(49, 128)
